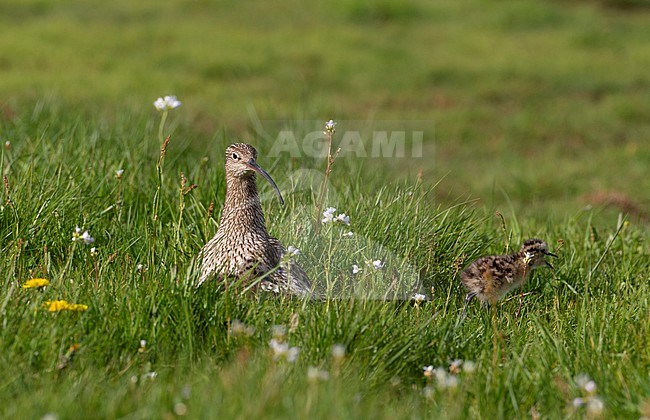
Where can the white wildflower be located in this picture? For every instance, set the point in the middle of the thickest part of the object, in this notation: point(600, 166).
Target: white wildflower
point(469, 366)
point(451, 382)
point(283, 351)
point(440, 374)
point(418, 298)
point(355, 269)
point(338, 352)
point(330, 127)
point(7, 145)
point(118, 173)
point(315, 375)
point(167, 103)
point(84, 237)
point(87, 238)
point(578, 402)
point(342, 217)
point(377, 264)
point(180, 409)
point(582, 379)
point(150, 375)
point(93, 252)
point(595, 406)
point(293, 250)
point(139, 267)
point(328, 215)
point(279, 331)
point(348, 234)
point(590, 387)
point(238, 328)
point(428, 371)
point(454, 366)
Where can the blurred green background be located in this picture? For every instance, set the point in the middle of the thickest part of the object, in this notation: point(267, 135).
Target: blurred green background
point(541, 105)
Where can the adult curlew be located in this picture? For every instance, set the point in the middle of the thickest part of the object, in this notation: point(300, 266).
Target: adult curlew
point(242, 248)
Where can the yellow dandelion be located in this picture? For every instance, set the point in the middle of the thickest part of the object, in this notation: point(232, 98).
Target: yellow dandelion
point(77, 307)
point(63, 305)
point(56, 305)
point(36, 283)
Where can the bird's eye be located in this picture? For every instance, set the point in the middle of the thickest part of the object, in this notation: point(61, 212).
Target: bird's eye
point(235, 156)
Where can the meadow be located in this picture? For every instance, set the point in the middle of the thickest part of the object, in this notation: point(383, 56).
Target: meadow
point(535, 119)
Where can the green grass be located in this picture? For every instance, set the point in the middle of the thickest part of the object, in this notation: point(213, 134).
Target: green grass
point(535, 110)
point(552, 91)
point(588, 316)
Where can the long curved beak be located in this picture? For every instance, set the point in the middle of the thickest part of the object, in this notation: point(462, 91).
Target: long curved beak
point(257, 168)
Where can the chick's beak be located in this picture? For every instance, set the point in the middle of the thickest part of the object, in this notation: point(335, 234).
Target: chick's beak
point(254, 166)
point(548, 264)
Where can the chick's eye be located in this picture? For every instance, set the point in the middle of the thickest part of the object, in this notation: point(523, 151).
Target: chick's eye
point(235, 156)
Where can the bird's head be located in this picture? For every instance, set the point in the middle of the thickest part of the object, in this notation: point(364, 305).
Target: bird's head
point(241, 162)
point(534, 252)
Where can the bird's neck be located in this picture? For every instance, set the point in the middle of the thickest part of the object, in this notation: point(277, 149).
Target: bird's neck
point(242, 206)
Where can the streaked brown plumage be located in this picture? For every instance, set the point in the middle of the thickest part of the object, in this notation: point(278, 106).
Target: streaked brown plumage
point(242, 247)
point(491, 278)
